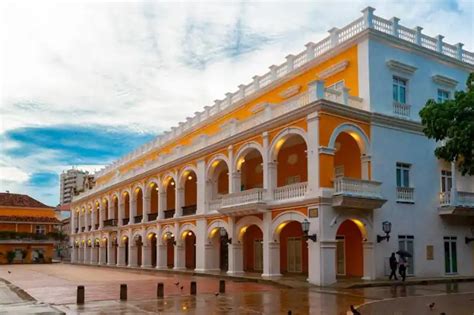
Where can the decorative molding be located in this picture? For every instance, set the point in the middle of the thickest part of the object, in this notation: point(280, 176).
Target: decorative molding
point(260, 107)
point(326, 150)
point(446, 81)
point(401, 67)
point(332, 70)
point(292, 90)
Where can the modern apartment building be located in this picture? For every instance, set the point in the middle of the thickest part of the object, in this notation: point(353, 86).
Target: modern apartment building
point(303, 170)
point(73, 182)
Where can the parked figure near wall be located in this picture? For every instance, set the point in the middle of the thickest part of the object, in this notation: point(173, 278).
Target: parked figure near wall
point(393, 267)
point(402, 269)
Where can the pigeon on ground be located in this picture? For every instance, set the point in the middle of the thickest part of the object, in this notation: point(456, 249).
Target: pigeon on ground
point(9, 271)
point(216, 294)
point(176, 283)
point(431, 306)
point(182, 287)
point(354, 311)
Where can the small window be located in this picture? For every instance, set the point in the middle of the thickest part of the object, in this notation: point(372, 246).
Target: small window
point(399, 90)
point(338, 86)
point(40, 229)
point(442, 95)
point(446, 181)
point(403, 175)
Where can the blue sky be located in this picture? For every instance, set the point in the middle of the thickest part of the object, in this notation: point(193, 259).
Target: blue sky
point(83, 83)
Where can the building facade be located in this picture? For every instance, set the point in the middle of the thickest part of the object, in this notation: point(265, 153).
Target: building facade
point(28, 230)
point(297, 171)
point(72, 182)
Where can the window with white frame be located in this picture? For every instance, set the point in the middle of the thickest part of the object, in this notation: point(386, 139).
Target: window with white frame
point(337, 86)
point(399, 90)
point(446, 181)
point(40, 229)
point(443, 95)
point(403, 174)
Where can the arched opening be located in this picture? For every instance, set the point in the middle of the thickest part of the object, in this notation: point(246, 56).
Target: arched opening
point(252, 238)
point(115, 203)
point(291, 158)
point(170, 187)
point(219, 179)
point(126, 252)
point(105, 209)
point(97, 215)
point(349, 249)
point(153, 245)
point(189, 249)
point(250, 165)
point(347, 157)
point(293, 248)
point(138, 250)
point(168, 239)
point(126, 207)
point(154, 195)
point(105, 249)
point(139, 205)
point(114, 254)
point(190, 193)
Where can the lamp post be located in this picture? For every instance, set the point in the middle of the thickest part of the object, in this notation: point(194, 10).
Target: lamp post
point(305, 227)
point(224, 236)
point(386, 228)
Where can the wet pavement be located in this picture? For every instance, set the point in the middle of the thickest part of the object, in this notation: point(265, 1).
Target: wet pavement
point(56, 285)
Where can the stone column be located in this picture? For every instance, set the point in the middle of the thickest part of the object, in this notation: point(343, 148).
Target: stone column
point(74, 254)
point(233, 185)
point(235, 250)
point(87, 253)
point(121, 255)
point(313, 154)
point(93, 257)
point(92, 215)
point(101, 215)
point(146, 206)
point(132, 253)
point(102, 254)
point(161, 204)
point(179, 201)
point(201, 187)
point(201, 243)
point(121, 210)
point(365, 167)
point(111, 259)
point(73, 222)
point(271, 249)
point(133, 208)
point(454, 191)
point(161, 256)
point(146, 256)
point(265, 160)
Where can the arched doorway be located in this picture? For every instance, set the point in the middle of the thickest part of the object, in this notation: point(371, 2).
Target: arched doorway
point(138, 250)
point(189, 181)
point(218, 176)
point(153, 246)
point(154, 199)
point(291, 156)
point(189, 249)
point(293, 248)
point(105, 208)
point(217, 256)
point(126, 250)
point(170, 188)
point(126, 208)
point(347, 158)
point(252, 248)
point(349, 249)
point(138, 206)
point(169, 241)
point(250, 165)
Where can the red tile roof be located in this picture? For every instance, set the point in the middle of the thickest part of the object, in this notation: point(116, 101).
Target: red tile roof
point(11, 218)
point(21, 201)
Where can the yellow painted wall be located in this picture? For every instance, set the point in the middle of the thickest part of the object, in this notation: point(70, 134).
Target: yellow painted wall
point(27, 212)
point(47, 248)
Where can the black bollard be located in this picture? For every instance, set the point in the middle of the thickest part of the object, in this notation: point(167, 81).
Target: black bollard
point(123, 292)
point(221, 286)
point(80, 294)
point(289, 313)
point(160, 290)
point(193, 287)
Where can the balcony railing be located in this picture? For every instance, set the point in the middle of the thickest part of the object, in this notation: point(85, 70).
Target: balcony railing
point(83, 229)
point(110, 222)
point(137, 219)
point(152, 216)
point(406, 194)
point(401, 110)
point(357, 187)
point(255, 195)
point(169, 213)
point(125, 221)
point(215, 204)
point(189, 210)
point(97, 226)
point(297, 190)
point(463, 198)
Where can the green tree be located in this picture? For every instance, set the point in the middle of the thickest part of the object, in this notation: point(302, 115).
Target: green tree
point(452, 122)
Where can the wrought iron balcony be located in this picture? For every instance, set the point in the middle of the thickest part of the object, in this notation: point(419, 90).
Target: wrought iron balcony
point(110, 222)
point(357, 193)
point(125, 221)
point(152, 216)
point(169, 213)
point(138, 219)
point(83, 229)
point(189, 210)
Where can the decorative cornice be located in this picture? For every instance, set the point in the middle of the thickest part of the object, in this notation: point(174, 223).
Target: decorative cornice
point(292, 90)
point(332, 70)
point(401, 67)
point(443, 80)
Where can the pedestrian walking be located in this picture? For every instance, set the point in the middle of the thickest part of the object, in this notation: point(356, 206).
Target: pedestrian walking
point(402, 268)
point(393, 267)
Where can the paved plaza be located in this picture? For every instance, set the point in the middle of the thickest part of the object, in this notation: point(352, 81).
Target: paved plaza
point(52, 288)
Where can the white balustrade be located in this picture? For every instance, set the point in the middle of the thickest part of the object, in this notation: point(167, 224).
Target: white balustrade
point(402, 110)
point(465, 198)
point(215, 204)
point(405, 194)
point(292, 191)
point(255, 195)
point(357, 187)
point(445, 198)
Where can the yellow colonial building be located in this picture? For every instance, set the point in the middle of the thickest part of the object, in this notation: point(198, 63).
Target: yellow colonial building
point(296, 171)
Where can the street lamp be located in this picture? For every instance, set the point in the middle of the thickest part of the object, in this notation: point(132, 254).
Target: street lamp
point(386, 228)
point(305, 227)
point(223, 234)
